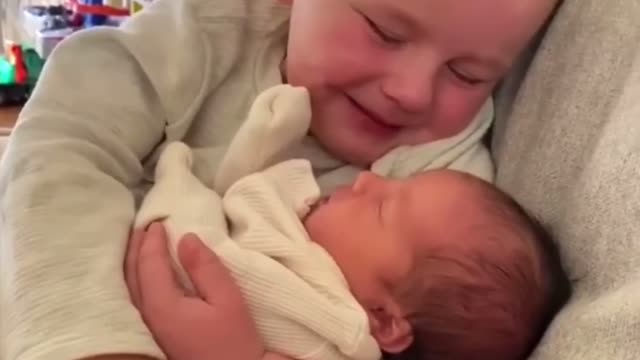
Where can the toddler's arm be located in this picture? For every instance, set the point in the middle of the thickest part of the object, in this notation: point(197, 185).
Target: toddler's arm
point(100, 107)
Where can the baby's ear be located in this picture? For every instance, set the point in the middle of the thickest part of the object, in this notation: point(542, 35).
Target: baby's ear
point(391, 330)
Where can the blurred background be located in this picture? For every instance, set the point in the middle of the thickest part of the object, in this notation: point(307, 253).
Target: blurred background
point(11, 28)
point(31, 29)
point(21, 20)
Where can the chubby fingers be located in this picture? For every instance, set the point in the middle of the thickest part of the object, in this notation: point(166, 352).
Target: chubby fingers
point(210, 277)
point(131, 265)
point(156, 281)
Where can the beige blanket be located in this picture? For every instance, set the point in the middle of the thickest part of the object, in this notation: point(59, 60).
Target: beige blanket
point(569, 149)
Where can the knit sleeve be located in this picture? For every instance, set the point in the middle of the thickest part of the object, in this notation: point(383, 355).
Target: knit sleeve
point(277, 122)
point(101, 105)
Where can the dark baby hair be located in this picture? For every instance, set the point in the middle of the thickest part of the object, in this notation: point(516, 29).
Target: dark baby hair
point(491, 301)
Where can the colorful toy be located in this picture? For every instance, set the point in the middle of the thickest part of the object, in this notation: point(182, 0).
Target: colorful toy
point(95, 7)
point(46, 26)
point(138, 5)
point(19, 71)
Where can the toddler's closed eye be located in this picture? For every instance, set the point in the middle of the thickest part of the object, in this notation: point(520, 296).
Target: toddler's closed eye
point(464, 77)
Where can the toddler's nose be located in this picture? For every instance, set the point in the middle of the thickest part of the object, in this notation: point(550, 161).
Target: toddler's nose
point(367, 181)
point(411, 84)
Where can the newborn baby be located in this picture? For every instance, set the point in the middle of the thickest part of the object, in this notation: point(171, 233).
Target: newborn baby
point(441, 263)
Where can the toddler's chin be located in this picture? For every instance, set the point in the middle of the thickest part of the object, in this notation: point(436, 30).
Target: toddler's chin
point(348, 149)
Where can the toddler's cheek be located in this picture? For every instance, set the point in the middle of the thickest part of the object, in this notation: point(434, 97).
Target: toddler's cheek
point(456, 110)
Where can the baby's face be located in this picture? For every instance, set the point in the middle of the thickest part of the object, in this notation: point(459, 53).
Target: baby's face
point(384, 73)
point(375, 229)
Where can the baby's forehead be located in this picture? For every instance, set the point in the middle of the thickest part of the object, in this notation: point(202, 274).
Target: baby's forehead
point(454, 205)
point(441, 174)
point(451, 184)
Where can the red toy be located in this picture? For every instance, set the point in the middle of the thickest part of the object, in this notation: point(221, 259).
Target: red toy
point(17, 59)
point(84, 9)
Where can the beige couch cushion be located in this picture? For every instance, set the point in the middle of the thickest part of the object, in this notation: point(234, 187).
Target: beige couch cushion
point(569, 150)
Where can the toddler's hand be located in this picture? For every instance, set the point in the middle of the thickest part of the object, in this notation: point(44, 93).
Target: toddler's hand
point(214, 324)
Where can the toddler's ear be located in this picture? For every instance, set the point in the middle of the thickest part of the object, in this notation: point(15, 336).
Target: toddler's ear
point(391, 330)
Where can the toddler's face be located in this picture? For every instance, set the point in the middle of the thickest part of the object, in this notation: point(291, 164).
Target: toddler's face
point(383, 73)
point(376, 229)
